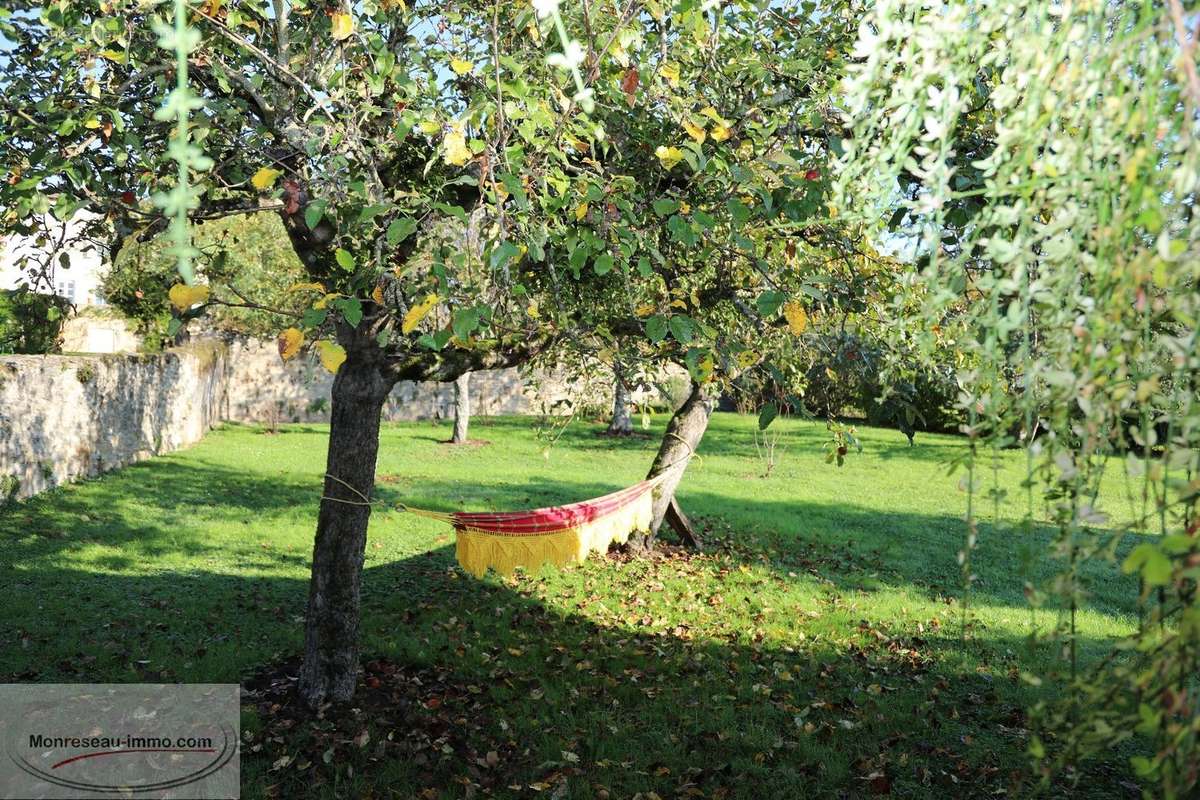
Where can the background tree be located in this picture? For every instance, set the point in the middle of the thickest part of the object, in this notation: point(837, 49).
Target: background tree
point(621, 424)
point(462, 409)
point(245, 260)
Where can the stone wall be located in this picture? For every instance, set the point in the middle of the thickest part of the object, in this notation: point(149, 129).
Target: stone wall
point(69, 417)
point(262, 388)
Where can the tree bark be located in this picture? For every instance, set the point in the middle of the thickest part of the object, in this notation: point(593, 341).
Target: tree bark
point(684, 432)
point(621, 424)
point(462, 408)
point(330, 665)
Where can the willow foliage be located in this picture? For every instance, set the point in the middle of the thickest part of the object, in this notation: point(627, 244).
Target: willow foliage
point(1043, 157)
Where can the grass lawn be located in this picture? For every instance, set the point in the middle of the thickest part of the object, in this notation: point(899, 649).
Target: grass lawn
point(814, 649)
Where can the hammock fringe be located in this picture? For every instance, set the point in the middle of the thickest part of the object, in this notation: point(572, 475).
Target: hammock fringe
point(558, 536)
point(478, 550)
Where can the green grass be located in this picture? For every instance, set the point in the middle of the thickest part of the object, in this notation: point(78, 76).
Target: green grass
point(818, 642)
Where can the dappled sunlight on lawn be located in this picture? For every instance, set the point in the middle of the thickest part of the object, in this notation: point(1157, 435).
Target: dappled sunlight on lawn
point(823, 623)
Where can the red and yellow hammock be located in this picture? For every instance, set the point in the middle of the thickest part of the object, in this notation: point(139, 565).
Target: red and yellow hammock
point(558, 535)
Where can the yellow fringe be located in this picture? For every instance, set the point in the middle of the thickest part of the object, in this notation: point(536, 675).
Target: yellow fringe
point(478, 550)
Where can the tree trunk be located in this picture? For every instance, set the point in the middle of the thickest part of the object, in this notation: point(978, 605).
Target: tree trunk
point(621, 424)
point(462, 408)
point(330, 666)
point(684, 432)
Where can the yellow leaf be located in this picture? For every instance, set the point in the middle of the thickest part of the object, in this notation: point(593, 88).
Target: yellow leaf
point(532, 309)
point(418, 313)
point(289, 343)
point(668, 156)
point(644, 310)
point(797, 318)
point(342, 26)
point(671, 73)
point(184, 297)
point(332, 355)
point(720, 133)
point(300, 287)
point(685, 207)
point(377, 294)
point(694, 131)
point(581, 211)
point(677, 303)
point(324, 301)
point(461, 67)
point(456, 150)
point(430, 126)
point(746, 358)
point(712, 114)
point(265, 178)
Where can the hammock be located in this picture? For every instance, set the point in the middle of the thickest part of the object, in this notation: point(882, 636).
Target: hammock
point(558, 535)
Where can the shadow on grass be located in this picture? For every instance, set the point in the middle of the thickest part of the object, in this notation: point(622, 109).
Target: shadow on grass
point(639, 701)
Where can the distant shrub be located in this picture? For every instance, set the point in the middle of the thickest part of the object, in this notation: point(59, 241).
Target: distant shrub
point(31, 323)
point(240, 255)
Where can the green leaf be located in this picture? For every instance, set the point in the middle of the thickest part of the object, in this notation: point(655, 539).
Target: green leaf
point(1151, 562)
point(643, 267)
point(767, 415)
point(314, 317)
point(738, 211)
point(656, 328)
point(400, 229)
point(578, 257)
point(344, 259)
point(603, 264)
point(768, 303)
point(682, 328)
point(504, 253)
point(371, 212)
point(314, 213)
point(351, 311)
point(464, 322)
point(665, 207)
